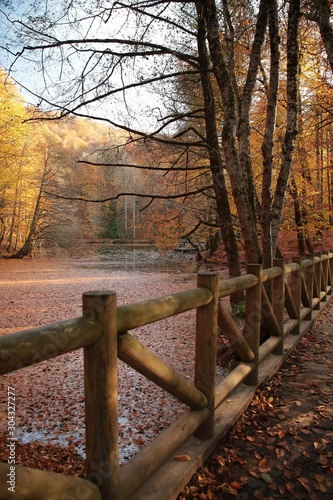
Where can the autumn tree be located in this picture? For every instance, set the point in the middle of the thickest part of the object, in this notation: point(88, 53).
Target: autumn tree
point(33, 162)
point(17, 153)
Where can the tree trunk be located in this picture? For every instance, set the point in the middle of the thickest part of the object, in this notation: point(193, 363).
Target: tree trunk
point(298, 216)
point(29, 242)
point(326, 31)
point(268, 142)
point(229, 134)
point(216, 164)
point(244, 129)
point(13, 221)
point(2, 229)
point(291, 127)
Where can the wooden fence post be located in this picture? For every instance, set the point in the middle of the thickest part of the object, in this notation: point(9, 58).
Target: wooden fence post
point(330, 271)
point(317, 280)
point(251, 331)
point(101, 396)
point(296, 291)
point(278, 295)
point(309, 277)
point(324, 267)
point(205, 350)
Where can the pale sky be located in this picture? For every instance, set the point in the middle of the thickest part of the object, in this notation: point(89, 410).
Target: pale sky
point(137, 107)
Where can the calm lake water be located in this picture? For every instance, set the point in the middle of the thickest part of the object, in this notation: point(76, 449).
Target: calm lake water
point(134, 258)
point(50, 395)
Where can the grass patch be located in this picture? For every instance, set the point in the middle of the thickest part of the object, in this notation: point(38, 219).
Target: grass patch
point(238, 311)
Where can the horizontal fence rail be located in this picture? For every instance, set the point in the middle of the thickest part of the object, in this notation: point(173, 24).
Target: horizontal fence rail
point(279, 300)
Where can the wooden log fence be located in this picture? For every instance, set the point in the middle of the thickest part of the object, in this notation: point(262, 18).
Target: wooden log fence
point(296, 291)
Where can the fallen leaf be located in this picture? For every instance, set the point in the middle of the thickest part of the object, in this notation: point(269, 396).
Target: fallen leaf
point(236, 485)
point(304, 482)
point(232, 491)
point(182, 458)
point(319, 446)
point(282, 489)
point(284, 445)
point(323, 460)
point(280, 453)
point(258, 494)
point(290, 486)
point(220, 460)
point(210, 495)
point(267, 478)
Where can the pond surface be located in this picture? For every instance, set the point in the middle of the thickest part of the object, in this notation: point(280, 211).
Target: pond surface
point(50, 395)
point(135, 258)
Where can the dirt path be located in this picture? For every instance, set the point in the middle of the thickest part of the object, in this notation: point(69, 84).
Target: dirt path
point(282, 447)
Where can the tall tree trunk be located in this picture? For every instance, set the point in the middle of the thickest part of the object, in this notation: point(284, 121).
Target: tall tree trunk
point(216, 164)
point(14, 219)
point(301, 207)
point(29, 242)
point(268, 141)
point(323, 19)
point(2, 229)
point(229, 134)
point(298, 216)
point(244, 129)
point(292, 115)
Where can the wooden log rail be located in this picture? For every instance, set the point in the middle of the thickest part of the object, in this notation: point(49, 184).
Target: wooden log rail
point(297, 289)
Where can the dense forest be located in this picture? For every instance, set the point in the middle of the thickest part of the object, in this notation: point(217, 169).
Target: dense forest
point(51, 167)
point(233, 144)
point(48, 169)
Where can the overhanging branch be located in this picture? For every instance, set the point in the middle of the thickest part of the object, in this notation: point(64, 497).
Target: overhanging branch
point(139, 195)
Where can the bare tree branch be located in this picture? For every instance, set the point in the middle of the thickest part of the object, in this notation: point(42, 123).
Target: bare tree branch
point(139, 195)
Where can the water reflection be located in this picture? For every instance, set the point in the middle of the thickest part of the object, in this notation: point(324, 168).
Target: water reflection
point(134, 258)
